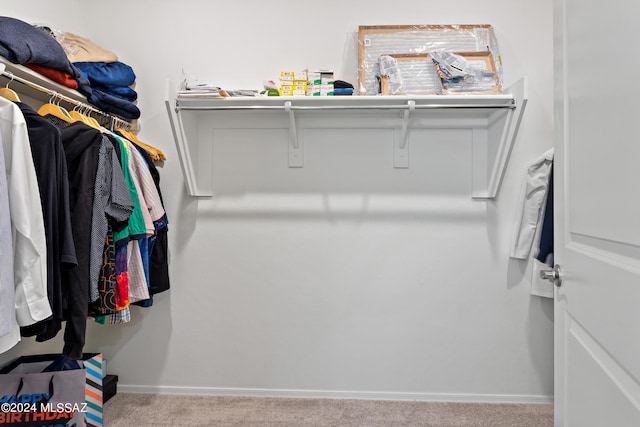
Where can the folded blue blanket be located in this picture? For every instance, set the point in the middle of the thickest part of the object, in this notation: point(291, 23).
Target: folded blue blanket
point(125, 93)
point(107, 73)
point(113, 104)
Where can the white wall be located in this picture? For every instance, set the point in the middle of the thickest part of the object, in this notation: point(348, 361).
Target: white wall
point(359, 281)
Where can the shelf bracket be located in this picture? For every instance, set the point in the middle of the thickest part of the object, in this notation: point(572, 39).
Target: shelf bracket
point(196, 185)
point(494, 166)
point(401, 145)
point(295, 145)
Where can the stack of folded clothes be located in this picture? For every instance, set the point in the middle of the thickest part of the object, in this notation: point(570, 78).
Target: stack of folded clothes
point(22, 43)
point(72, 61)
point(111, 87)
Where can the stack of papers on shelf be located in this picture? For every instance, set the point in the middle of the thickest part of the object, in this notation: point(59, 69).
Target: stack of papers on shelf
point(243, 92)
point(206, 90)
point(191, 87)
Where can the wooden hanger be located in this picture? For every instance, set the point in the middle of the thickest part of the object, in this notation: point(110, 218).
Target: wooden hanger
point(83, 117)
point(77, 116)
point(93, 122)
point(55, 110)
point(155, 153)
point(9, 94)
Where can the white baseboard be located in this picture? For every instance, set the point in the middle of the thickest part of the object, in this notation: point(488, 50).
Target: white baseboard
point(331, 394)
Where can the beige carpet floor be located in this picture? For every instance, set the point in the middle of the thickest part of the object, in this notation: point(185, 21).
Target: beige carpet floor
point(142, 410)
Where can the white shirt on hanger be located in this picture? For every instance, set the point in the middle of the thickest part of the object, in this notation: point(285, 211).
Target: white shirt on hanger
point(7, 291)
point(534, 194)
point(29, 241)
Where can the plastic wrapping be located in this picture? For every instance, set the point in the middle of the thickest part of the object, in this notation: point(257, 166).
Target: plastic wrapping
point(389, 69)
point(466, 72)
point(416, 75)
point(410, 46)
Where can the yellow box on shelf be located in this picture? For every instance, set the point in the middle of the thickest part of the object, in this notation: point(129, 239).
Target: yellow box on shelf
point(287, 75)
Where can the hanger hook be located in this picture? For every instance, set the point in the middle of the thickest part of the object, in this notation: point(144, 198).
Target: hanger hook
point(54, 98)
point(11, 77)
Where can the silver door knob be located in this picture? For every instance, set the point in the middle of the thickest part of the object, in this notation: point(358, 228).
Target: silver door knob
point(552, 275)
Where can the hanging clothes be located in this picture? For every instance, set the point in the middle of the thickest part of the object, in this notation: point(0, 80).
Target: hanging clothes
point(82, 146)
point(51, 171)
point(545, 245)
point(137, 286)
point(533, 196)
point(135, 229)
point(107, 284)
point(543, 258)
point(535, 210)
point(8, 322)
point(111, 202)
point(89, 244)
point(151, 204)
point(29, 242)
point(159, 244)
point(156, 264)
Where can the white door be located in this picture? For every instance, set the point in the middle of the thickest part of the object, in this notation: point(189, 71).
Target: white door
point(597, 182)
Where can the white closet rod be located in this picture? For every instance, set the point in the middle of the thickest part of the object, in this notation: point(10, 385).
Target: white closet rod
point(116, 121)
point(343, 107)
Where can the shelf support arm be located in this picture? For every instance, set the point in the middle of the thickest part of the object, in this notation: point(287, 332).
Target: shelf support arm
point(295, 145)
point(504, 141)
point(401, 145)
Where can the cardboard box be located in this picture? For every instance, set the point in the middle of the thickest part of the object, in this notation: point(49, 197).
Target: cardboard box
point(293, 76)
point(326, 90)
point(286, 75)
point(314, 78)
point(300, 76)
point(313, 90)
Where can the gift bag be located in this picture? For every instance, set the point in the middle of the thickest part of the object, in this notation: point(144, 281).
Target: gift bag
point(50, 390)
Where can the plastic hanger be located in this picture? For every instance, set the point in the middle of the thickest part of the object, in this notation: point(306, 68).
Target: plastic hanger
point(55, 110)
point(9, 94)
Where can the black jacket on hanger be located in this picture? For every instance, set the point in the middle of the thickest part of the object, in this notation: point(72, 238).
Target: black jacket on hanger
point(52, 174)
point(82, 149)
